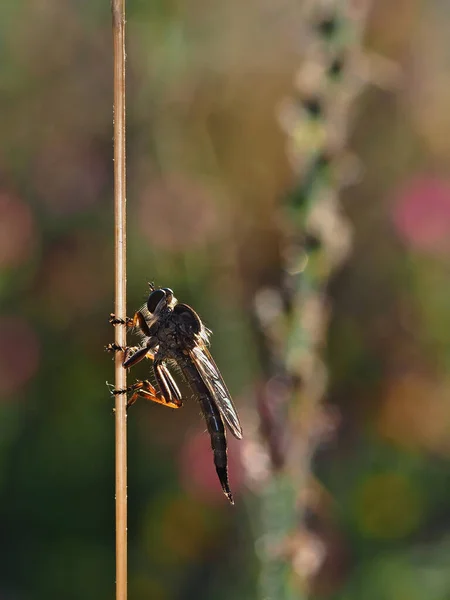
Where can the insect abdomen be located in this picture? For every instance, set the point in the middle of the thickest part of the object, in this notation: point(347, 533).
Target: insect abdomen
point(214, 424)
point(216, 431)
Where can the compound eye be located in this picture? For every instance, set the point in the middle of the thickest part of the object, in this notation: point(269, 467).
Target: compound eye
point(154, 299)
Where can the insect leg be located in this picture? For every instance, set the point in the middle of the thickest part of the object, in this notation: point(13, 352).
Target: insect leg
point(130, 361)
point(116, 321)
point(170, 380)
point(166, 383)
point(137, 321)
point(146, 390)
point(116, 348)
point(140, 353)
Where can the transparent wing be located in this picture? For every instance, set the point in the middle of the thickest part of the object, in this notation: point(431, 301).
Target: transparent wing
point(212, 378)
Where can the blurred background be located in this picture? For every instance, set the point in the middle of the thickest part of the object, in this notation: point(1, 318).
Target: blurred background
point(207, 173)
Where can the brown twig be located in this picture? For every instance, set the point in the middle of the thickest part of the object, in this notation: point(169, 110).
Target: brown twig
point(118, 20)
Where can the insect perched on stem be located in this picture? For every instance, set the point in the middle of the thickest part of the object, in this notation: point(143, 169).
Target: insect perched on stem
point(172, 332)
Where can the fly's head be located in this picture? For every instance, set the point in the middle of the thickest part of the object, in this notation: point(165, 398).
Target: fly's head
point(165, 311)
point(160, 302)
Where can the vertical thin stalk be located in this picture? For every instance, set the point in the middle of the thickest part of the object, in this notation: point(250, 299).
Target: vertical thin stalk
point(118, 20)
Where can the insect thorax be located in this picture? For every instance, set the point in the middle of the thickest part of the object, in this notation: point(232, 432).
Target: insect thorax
point(171, 334)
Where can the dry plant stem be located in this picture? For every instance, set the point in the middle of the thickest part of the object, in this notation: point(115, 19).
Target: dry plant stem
point(118, 18)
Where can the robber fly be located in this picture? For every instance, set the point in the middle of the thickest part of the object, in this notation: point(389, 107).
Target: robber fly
point(172, 333)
